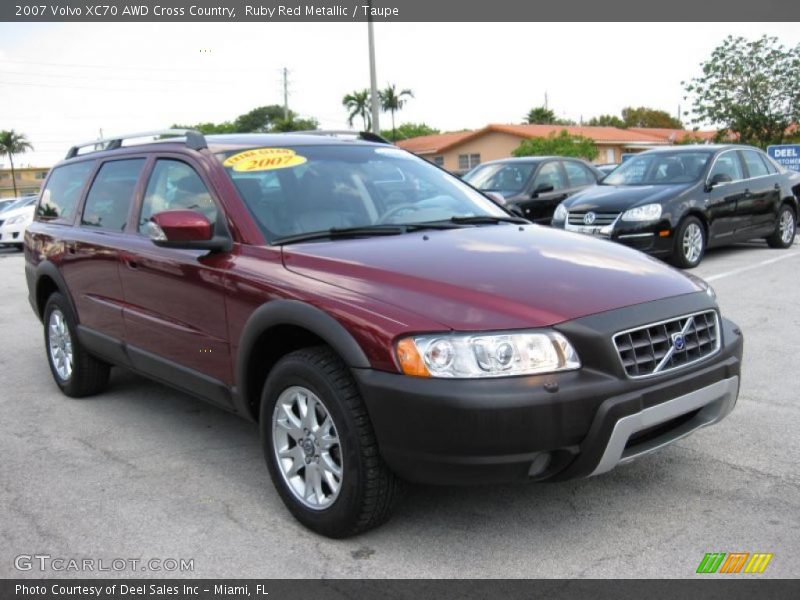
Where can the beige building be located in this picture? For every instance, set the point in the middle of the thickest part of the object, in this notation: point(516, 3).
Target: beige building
point(29, 180)
point(461, 151)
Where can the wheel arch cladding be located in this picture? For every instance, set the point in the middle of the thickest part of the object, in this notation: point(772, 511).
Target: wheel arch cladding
point(48, 281)
point(282, 326)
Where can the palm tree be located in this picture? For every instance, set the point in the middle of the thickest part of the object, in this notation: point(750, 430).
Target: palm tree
point(12, 143)
point(392, 101)
point(358, 103)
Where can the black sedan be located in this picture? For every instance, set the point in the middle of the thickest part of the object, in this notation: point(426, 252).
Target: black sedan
point(534, 184)
point(676, 202)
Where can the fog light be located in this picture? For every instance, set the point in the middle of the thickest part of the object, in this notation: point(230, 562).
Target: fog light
point(539, 464)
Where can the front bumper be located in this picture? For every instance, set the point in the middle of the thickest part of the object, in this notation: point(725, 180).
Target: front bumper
point(654, 238)
point(552, 427)
point(13, 234)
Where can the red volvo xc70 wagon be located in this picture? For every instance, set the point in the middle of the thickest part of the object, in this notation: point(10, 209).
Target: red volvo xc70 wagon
point(378, 318)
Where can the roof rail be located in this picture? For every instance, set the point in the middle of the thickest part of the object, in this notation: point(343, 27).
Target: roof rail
point(194, 140)
point(367, 136)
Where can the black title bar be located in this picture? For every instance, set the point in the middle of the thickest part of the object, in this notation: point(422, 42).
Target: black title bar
point(397, 10)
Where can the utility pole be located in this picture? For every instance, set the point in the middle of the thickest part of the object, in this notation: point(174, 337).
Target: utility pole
point(545, 101)
point(285, 94)
point(373, 78)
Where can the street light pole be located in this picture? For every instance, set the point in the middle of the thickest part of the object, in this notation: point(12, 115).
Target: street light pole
point(373, 79)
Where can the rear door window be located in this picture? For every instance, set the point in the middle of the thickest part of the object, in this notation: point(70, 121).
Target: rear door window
point(755, 166)
point(61, 195)
point(175, 185)
point(109, 199)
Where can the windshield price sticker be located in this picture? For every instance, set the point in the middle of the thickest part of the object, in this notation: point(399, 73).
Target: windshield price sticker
point(264, 159)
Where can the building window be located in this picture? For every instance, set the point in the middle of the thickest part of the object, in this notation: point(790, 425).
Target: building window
point(467, 161)
point(438, 161)
point(41, 175)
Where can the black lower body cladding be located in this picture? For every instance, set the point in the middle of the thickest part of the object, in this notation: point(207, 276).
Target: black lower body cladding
point(552, 426)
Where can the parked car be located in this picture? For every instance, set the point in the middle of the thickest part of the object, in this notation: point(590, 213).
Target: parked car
point(675, 202)
point(534, 184)
point(378, 318)
point(14, 220)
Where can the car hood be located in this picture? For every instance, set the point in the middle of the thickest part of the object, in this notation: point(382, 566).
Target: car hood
point(616, 198)
point(491, 277)
point(24, 210)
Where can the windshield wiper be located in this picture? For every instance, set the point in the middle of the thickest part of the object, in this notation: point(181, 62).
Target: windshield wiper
point(487, 220)
point(361, 231)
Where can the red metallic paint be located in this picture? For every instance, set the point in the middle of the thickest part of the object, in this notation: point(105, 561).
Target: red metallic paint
point(183, 225)
point(191, 307)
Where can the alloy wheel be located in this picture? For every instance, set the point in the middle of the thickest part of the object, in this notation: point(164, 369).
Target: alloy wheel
point(307, 447)
point(60, 344)
point(692, 243)
point(786, 226)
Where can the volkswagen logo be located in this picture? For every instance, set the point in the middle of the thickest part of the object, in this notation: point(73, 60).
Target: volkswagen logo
point(678, 341)
point(589, 218)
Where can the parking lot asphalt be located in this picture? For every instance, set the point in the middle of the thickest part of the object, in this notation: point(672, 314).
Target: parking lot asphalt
point(144, 472)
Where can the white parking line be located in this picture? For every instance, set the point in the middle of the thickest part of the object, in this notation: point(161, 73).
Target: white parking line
point(750, 267)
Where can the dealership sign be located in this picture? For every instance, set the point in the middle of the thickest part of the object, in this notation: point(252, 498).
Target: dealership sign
point(787, 155)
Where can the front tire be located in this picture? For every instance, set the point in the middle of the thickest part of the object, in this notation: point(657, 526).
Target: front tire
point(785, 228)
point(76, 372)
point(320, 447)
point(690, 243)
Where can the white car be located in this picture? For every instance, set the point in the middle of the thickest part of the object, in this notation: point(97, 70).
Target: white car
point(14, 220)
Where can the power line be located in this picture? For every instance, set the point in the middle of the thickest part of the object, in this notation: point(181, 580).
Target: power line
point(105, 78)
point(147, 68)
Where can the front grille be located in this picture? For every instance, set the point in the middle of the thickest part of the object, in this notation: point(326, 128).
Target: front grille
point(657, 348)
point(600, 219)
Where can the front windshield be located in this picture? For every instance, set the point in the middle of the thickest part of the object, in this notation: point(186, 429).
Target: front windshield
point(305, 189)
point(506, 178)
point(660, 168)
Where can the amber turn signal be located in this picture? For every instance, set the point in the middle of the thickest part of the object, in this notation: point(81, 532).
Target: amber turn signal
point(410, 361)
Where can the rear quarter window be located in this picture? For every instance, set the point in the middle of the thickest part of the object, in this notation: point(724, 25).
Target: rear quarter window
point(61, 195)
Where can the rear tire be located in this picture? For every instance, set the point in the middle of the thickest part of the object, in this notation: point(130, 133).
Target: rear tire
point(76, 372)
point(690, 243)
point(337, 436)
point(785, 228)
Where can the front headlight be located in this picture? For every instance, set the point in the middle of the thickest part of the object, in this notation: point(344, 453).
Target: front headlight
point(17, 219)
point(560, 214)
point(472, 355)
point(648, 212)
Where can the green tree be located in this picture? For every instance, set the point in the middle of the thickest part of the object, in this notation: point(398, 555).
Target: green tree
point(358, 105)
point(541, 115)
point(294, 123)
point(562, 144)
point(12, 143)
point(392, 101)
point(649, 117)
point(606, 121)
point(263, 119)
point(409, 130)
point(749, 88)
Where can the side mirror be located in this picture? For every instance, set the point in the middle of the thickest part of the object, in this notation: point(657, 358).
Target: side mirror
point(718, 179)
point(543, 188)
point(185, 229)
point(516, 210)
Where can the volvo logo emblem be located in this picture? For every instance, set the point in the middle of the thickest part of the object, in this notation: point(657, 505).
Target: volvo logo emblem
point(678, 341)
point(589, 218)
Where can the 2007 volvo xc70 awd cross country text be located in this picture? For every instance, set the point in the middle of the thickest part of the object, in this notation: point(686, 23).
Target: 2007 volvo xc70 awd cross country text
point(378, 318)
